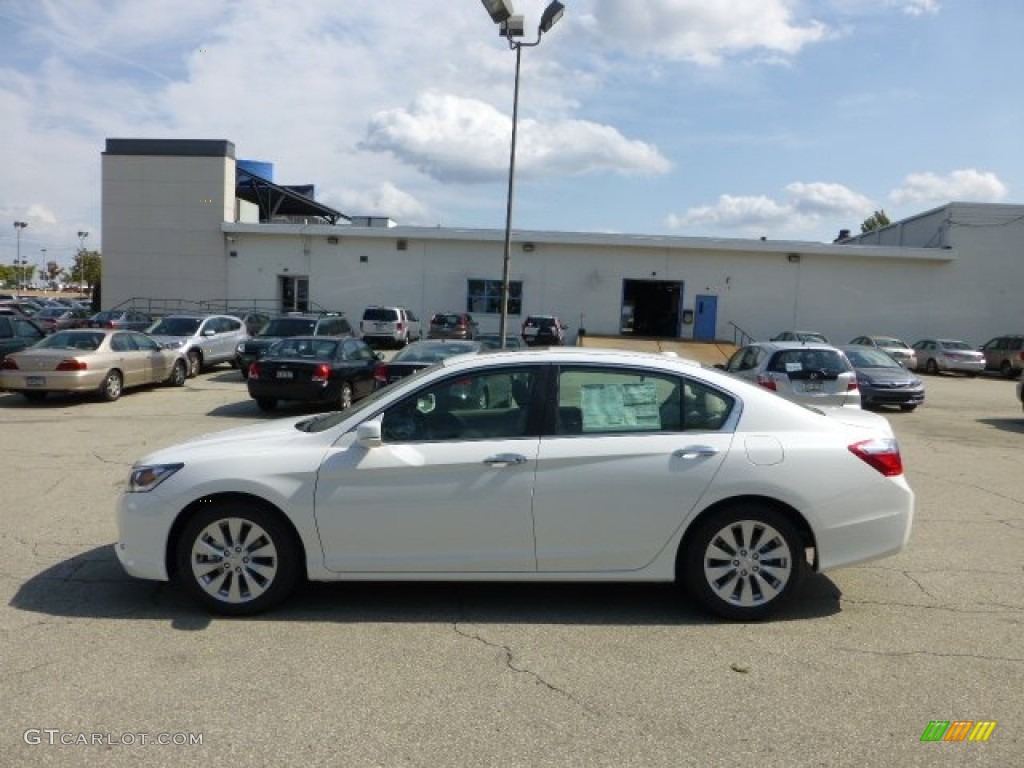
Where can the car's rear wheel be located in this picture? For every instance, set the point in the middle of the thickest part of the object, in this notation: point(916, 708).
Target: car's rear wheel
point(237, 558)
point(179, 372)
point(744, 563)
point(1006, 369)
point(34, 397)
point(195, 363)
point(931, 367)
point(345, 396)
point(112, 386)
point(266, 403)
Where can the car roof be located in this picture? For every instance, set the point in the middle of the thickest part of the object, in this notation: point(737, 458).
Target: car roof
point(780, 345)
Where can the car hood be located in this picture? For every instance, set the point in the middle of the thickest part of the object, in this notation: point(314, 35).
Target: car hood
point(273, 436)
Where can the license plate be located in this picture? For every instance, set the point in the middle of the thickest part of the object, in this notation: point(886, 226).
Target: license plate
point(35, 381)
point(812, 386)
point(284, 374)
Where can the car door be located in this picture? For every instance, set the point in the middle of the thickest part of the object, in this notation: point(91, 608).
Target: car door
point(134, 364)
point(631, 455)
point(158, 363)
point(448, 490)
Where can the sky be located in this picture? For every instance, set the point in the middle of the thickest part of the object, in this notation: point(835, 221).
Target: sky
point(784, 119)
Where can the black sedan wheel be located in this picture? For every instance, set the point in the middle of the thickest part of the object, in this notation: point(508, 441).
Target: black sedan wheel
point(744, 563)
point(266, 403)
point(237, 558)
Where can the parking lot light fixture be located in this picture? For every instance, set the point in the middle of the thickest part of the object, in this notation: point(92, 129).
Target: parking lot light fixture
point(501, 13)
point(18, 226)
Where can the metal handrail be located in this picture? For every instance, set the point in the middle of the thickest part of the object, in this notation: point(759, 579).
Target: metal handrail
point(163, 307)
point(740, 337)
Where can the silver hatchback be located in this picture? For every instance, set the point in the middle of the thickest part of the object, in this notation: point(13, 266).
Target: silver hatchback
point(809, 373)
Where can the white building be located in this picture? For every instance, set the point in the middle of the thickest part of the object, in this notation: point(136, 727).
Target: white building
point(182, 223)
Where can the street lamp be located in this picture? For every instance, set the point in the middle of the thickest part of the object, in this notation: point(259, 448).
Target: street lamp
point(81, 259)
point(18, 226)
point(42, 269)
point(511, 27)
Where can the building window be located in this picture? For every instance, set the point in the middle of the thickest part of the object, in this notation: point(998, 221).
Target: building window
point(483, 297)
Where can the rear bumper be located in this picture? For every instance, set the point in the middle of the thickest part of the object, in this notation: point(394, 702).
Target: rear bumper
point(307, 392)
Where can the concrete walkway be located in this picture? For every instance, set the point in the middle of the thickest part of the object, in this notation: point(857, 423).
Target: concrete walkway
point(708, 352)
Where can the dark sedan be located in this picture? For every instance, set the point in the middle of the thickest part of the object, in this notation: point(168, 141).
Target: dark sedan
point(61, 318)
point(313, 369)
point(122, 319)
point(420, 355)
point(882, 380)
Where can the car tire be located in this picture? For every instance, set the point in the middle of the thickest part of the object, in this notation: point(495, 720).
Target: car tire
point(112, 386)
point(179, 372)
point(34, 397)
point(345, 396)
point(195, 363)
point(237, 558)
point(266, 403)
point(1006, 370)
point(738, 581)
point(931, 367)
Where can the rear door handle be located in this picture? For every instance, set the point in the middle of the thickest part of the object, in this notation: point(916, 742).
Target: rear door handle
point(505, 459)
point(695, 452)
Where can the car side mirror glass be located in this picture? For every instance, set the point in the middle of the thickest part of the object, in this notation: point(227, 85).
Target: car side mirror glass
point(368, 434)
point(209, 332)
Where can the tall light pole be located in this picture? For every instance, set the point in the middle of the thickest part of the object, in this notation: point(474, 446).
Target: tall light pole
point(81, 258)
point(18, 226)
point(42, 269)
point(511, 28)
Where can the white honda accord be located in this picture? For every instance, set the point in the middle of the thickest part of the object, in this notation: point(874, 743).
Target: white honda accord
point(574, 464)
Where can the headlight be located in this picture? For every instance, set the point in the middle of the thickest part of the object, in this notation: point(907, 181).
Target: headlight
point(145, 479)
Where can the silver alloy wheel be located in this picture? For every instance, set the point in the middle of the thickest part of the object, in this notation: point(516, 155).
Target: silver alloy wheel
point(111, 389)
point(345, 400)
point(747, 563)
point(195, 363)
point(234, 560)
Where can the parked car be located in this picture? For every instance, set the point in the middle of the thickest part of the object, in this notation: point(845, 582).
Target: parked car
point(21, 306)
point(882, 380)
point(287, 326)
point(493, 341)
point(205, 340)
point(313, 369)
point(1004, 354)
point(453, 325)
point(18, 332)
point(253, 321)
point(807, 372)
point(96, 360)
point(123, 319)
point(60, 318)
point(813, 336)
point(389, 326)
point(742, 492)
point(897, 349)
point(543, 331)
point(937, 355)
point(420, 355)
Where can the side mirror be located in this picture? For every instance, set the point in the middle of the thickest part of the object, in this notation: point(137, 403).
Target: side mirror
point(368, 434)
point(209, 332)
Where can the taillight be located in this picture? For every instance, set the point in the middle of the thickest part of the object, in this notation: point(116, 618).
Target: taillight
point(881, 453)
point(399, 327)
point(852, 386)
point(108, 324)
point(254, 370)
point(380, 373)
point(766, 381)
point(322, 372)
point(72, 365)
point(9, 364)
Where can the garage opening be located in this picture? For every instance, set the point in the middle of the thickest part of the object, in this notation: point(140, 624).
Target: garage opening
point(651, 308)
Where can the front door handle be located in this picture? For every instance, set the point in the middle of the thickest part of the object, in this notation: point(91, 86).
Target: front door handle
point(505, 459)
point(695, 452)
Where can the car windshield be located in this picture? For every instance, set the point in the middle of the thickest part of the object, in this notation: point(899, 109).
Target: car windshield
point(947, 344)
point(871, 358)
point(790, 360)
point(446, 320)
point(289, 326)
point(378, 314)
point(315, 349)
point(494, 342)
point(67, 340)
point(434, 353)
point(176, 326)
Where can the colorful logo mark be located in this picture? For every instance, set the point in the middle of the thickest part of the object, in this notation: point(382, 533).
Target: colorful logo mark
point(958, 730)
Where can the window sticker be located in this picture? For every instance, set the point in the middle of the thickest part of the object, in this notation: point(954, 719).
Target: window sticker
point(620, 407)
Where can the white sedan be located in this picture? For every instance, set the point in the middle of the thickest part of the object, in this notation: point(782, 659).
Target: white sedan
point(584, 465)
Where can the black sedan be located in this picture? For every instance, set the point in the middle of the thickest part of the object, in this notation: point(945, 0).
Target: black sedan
point(420, 355)
point(313, 369)
point(882, 380)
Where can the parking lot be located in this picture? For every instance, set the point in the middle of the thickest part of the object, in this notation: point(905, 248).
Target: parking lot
point(852, 672)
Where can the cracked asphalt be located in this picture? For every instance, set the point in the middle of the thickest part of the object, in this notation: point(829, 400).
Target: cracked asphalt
point(504, 675)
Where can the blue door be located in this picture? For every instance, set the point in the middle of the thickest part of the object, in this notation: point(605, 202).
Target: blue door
point(706, 318)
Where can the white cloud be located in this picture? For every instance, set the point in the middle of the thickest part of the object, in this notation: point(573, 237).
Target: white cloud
point(703, 31)
point(454, 139)
point(807, 206)
point(384, 199)
point(921, 7)
point(966, 185)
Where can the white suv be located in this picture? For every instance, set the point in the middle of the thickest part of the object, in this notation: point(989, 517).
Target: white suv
point(389, 325)
point(205, 340)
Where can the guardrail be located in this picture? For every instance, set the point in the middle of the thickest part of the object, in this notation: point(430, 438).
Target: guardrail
point(739, 336)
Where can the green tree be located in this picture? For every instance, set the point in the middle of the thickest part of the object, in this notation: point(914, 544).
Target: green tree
point(877, 220)
point(87, 268)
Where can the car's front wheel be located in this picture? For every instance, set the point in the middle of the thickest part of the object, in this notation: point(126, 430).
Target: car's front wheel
point(195, 363)
point(237, 558)
point(1006, 370)
point(931, 367)
point(744, 563)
